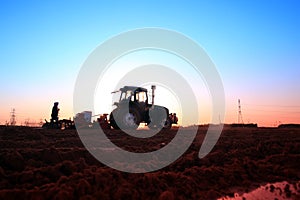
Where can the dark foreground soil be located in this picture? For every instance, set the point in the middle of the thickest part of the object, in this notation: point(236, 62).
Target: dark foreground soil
point(53, 164)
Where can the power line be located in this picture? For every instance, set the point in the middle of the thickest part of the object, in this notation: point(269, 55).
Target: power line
point(283, 106)
point(276, 111)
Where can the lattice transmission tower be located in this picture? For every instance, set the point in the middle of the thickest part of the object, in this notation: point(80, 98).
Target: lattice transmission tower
point(240, 117)
point(13, 117)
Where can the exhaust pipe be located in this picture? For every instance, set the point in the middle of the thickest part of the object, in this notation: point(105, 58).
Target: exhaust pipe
point(153, 87)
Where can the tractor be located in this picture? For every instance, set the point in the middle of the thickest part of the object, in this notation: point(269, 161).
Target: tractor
point(134, 108)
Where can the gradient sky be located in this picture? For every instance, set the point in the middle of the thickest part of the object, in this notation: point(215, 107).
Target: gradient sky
point(255, 46)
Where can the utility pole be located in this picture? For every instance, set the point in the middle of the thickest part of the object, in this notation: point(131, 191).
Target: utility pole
point(240, 117)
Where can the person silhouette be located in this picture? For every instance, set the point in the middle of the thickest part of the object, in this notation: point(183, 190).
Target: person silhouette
point(54, 114)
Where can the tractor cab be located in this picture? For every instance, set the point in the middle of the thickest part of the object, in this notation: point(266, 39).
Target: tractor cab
point(134, 94)
point(135, 97)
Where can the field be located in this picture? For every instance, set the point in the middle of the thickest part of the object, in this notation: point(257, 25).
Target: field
point(53, 164)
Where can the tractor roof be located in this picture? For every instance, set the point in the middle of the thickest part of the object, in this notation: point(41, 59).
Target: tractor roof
point(133, 88)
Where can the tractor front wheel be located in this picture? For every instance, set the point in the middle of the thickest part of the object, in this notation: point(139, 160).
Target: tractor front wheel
point(161, 124)
point(168, 124)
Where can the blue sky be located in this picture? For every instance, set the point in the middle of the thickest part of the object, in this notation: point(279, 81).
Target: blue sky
point(254, 44)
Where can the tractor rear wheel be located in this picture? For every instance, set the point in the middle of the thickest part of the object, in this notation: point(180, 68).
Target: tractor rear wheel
point(129, 120)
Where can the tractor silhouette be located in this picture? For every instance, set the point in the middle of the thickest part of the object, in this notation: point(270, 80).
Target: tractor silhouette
point(133, 108)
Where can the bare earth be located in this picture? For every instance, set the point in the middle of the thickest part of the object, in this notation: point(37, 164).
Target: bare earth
point(53, 164)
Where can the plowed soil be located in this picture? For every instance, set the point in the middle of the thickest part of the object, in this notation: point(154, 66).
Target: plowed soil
point(53, 164)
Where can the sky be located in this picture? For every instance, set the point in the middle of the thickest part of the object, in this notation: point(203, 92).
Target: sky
point(255, 46)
